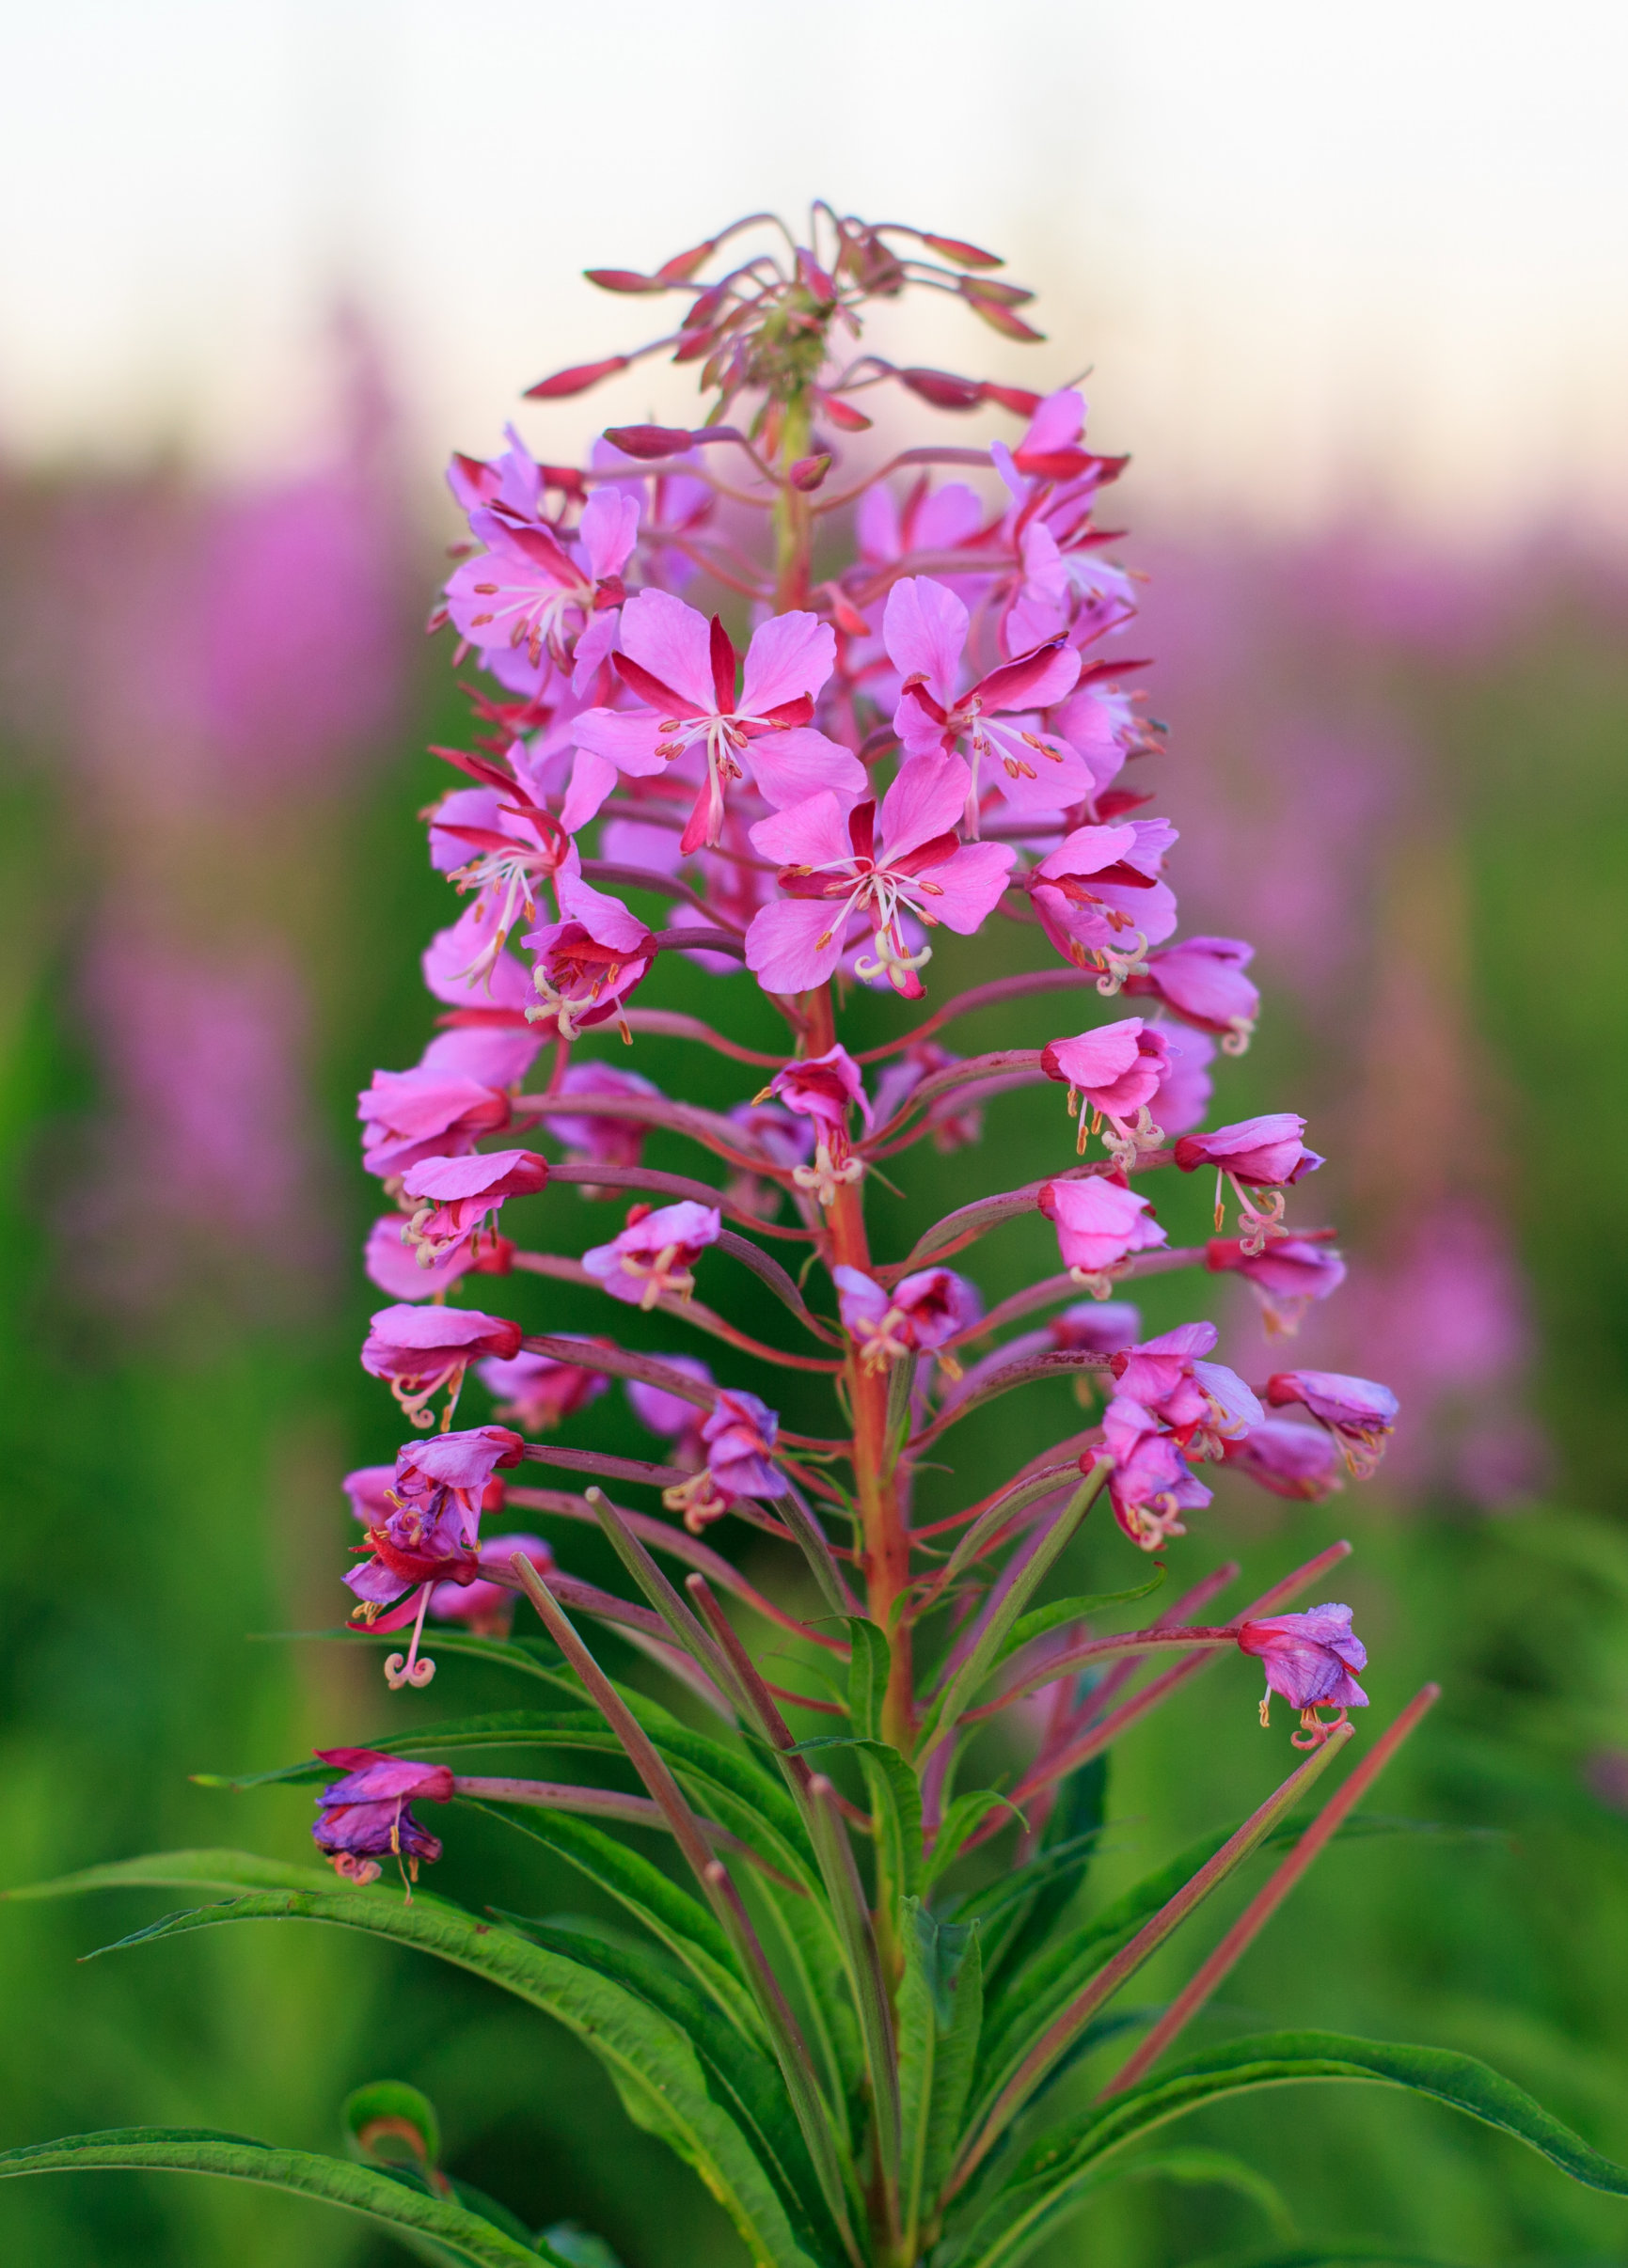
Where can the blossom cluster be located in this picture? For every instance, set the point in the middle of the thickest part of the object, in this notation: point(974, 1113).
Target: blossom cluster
point(814, 773)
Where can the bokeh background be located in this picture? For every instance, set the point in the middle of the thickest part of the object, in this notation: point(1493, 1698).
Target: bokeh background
point(1350, 285)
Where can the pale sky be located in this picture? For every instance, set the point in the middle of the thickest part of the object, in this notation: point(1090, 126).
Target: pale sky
point(1318, 254)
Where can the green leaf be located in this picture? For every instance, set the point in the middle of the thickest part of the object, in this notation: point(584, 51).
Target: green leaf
point(682, 1923)
point(650, 2063)
point(737, 2073)
point(940, 2002)
point(1051, 2177)
point(1041, 1619)
point(184, 1870)
point(967, 1812)
point(895, 1806)
point(398, 2201)
point(1218, 2169)
point(579, 2246)
point(870, 1665)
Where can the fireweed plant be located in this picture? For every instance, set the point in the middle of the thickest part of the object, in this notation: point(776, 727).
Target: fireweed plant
point(819, 713)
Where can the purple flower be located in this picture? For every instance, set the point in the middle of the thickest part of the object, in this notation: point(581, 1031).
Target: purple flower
point(1359, 1413)
point(655, 1254)
point(431, 1528)
point(1202, 981)
point(420, 1349)
point(739, 1442)
point(590, 960)
point(670, 1414)
point(1297, 1461)
point(1099, 897)
point(484, 1606)
point(1204, 1403)
point(460, 1192)
point(919, 1314)
point(365, 1815)
point(1150, 1485)
point(1286, 1275)
point(1308, 1659)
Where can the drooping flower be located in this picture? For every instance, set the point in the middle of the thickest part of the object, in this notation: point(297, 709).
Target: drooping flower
point(1358, 1412)
point(822, 1088)
point(365, 1816)
point(925, 628)
point(529, 590)
point(683, 670)
point(1101, 899)
point(834, 869)
point(1112, 1073)
point(1150, 1485)
point(1308, 1659)
point(920, 1313)
point(1090, 1327)
point(1185, 1089)
point(597, 1138)
point(1099, 1223)
point(429, 1112)
point(458, 1194)
point(540, 1392)
point(738, 1438)
point(1286, 1276)
point(421, 1349)
point(655, 1254)
point(590, 960)
point(485, 1606)
point(1297, 1461)
point(430, 1532)
point(392, 1262)
point(1202, 981)
point(1255, 1154)
point(1205, 1404)
point(783, 1140)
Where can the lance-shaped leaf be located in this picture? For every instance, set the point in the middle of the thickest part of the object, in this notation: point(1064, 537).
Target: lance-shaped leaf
point(940, 2003)
point(1048, 2179)
point(674, 1611)
point(1040, 1621)
point(994, 1625)
point(399, 2202)
point(1021, 1909)
point(1038, 2062)
point(651, 2064)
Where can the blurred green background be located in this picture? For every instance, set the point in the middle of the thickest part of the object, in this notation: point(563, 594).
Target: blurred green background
point(1404, 777)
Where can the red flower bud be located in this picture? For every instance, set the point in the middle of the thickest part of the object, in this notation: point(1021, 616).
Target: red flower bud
point(576, 380)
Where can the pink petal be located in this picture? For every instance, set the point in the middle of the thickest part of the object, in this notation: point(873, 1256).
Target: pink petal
point(629, 738)
point(784, 946)
point(947, 518)
point(673, 642)
point(790, 654)
point(924, 630)
point(607, 921)
point(593, 648)
point(1032, 683)
point(608, 530)
point(792, 766)
point(972, 880)
point(1095, 1059)
point(1058, 423)
point(927, 797)
point(811, 833)
point(592, 776)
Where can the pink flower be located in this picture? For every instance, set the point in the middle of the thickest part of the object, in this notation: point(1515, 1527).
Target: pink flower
point(684, 670)
point(834, 869)
point(919, 1314)
point(670, 1414)
point(426, 1112)
point(486, 1607)
point(822, 1088)
point(1286, 1276)
point(368, 1489)
point(1112, 1073)
point(1204, 1403)
point(1265, 1152)
point(461, 1192)
point(365, 1816)
point(1151, 1486)
point(593, 1140)
point(540, 1392)
point(925, 628)
point(430, 1530)
point(392, 1263)
point(740, 1440)
point(1101, 887)
point(1064, 591)
point(529, 590)
point(952, 1123)
point(1308, 1659)
point(420, 1349)
point(1297, 1461)
point(1202, 981)
point(932, 519)
point(1091, 1327)
point(590, 960)
point(1099, 1223)
point(1359, 1413)
point(500, 848)
point(654, 1254)
point(466, 966)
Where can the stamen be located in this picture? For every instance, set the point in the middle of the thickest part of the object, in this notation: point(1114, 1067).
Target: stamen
point(412, 1670)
